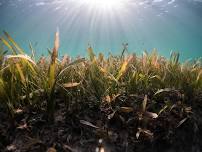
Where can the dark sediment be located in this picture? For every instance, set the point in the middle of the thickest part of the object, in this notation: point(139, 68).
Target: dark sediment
point(81, 126)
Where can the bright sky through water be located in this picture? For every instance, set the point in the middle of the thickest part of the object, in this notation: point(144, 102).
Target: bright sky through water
point(105, 24)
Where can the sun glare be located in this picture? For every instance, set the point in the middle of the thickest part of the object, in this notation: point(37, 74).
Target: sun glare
point(101, 3)
point(104, 5)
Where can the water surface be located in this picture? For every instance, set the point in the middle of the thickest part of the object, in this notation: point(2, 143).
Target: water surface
point(167, 25)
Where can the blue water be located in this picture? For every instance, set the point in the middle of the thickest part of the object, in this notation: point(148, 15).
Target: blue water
point(167, 25)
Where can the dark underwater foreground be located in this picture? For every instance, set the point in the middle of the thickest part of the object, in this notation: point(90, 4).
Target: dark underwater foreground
point(99, 104)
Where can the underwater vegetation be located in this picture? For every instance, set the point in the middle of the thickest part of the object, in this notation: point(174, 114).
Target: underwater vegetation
point(146, 102)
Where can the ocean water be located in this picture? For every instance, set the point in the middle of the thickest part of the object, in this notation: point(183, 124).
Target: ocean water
point(167, 25)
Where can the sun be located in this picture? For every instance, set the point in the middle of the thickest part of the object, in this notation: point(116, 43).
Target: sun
point(104, 5)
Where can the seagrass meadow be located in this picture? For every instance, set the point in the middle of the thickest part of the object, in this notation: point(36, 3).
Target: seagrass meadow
point(100, 104)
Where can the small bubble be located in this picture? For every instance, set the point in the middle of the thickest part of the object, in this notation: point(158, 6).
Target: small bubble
point(100, 141)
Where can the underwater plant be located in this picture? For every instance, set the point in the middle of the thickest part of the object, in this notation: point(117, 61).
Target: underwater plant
point(22, 78)
point(140, 94)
